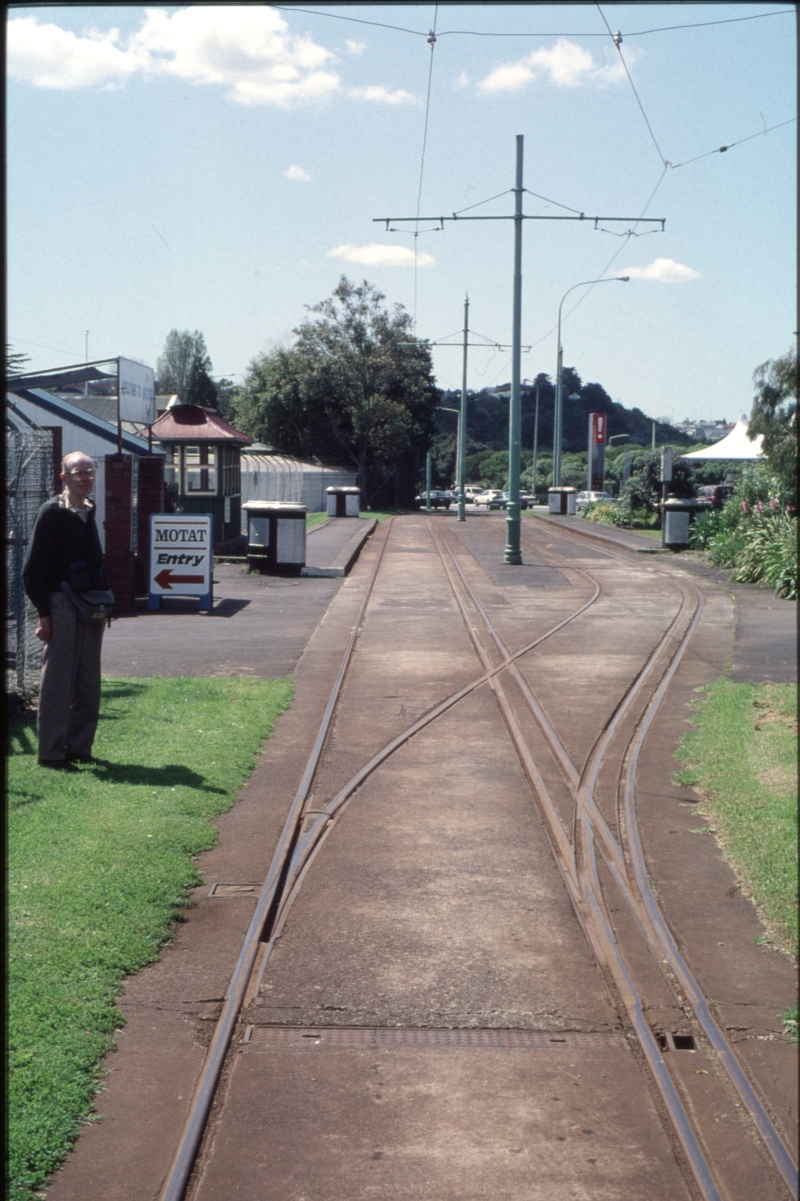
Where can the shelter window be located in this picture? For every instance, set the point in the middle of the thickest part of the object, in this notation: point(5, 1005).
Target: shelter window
point(172, 462)
point(231, 471)
point(200, 469)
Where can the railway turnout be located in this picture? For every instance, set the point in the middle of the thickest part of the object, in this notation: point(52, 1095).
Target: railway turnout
point(486, 955)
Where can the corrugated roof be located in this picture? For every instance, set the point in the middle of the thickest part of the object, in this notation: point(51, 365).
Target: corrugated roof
point(191, 423)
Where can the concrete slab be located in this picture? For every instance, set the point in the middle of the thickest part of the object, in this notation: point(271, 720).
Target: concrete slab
point(402, 1124)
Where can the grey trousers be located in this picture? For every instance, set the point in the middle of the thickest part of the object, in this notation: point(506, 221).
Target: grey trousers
point(69, 694)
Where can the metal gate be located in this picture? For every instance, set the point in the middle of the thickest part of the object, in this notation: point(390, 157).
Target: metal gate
point(29, 479)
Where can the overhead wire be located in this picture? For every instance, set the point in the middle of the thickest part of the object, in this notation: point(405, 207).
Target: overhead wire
point(524, 33)
point(432, 44)
point(313, 12)
point(616, 38)
point(722, 149)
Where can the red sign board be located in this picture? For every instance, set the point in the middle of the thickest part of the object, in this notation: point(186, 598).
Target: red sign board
point(599, 428)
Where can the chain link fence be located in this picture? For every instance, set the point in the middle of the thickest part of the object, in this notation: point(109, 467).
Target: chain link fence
point(29, 478)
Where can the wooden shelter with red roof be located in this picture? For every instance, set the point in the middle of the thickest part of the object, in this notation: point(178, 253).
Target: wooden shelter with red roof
point(203, 460)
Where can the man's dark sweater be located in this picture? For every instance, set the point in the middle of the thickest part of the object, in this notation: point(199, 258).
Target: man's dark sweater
point(60, 539)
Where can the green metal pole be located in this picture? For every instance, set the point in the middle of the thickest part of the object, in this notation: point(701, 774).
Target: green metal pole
point(535, 446)
point(557, 417)
point(513, 554)
point(428, 482)
point(462, 425)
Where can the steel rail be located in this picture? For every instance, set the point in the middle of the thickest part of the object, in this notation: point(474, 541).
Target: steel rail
point(177, 1179)
point(581, 785)
point(665, 941)
point(280, 886)
point(766, 1129)
point(591, 915)
point(307, 844)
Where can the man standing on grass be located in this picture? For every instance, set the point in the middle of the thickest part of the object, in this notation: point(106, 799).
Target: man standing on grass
point(65, 547)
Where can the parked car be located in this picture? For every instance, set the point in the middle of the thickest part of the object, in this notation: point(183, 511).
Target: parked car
point(438, 499)
point(492, 498)
point(471, 491)
point(589, 498)
point(716, 494)
point(525, 499)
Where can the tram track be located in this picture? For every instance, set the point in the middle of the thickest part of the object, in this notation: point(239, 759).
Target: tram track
point(574, 845)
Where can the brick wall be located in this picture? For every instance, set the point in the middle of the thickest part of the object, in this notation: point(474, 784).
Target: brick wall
point(151, 500)
point(119, 559)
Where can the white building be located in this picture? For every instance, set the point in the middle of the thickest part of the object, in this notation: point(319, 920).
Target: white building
point(269, 475)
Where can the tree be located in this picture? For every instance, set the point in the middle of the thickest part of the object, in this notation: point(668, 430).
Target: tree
point(643, 489)
point(15, 361)
point(183, 368)
point(356, 386)
point(775, 416)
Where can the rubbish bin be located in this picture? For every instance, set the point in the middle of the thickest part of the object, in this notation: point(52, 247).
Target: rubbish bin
point(676, 516)
point(562, 500)
point(276, 536)
point(344, 502)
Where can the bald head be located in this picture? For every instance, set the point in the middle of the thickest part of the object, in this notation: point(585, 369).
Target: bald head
point(77, 474)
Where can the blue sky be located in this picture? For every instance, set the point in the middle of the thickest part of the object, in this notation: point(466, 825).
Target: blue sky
point(219, 169)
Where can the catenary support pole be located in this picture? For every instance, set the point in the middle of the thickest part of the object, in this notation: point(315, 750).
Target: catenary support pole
point(462, 424)
point(535, 446)
point(513, 554)
point(428, 482)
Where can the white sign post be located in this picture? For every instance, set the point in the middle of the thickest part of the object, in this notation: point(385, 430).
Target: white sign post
point(181, 560)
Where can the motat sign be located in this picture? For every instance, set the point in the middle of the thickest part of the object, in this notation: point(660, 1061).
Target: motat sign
point(181, 560)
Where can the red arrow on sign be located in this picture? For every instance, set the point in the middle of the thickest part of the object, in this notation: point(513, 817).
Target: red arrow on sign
point(165, 579)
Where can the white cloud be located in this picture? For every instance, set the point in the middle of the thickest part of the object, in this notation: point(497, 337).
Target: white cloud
point(463, 80)
point(382, 95)
point(666, 271)
point(377, 255)
point(297, 173)
point(567, 64)
point(50, 57)
point(246, 49)
point(355, 47)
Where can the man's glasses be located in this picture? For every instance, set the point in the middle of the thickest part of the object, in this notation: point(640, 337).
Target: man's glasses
point(85, 471)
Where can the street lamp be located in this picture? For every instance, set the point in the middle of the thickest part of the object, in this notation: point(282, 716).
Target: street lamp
point(459, 458)
point(613, 438)
point(558, 415)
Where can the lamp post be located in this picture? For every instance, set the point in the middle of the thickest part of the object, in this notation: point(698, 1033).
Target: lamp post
point(460, 449)
point(613, 438)
point(558, 415)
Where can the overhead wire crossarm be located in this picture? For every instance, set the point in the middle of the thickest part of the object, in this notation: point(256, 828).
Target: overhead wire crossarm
point(511, 217)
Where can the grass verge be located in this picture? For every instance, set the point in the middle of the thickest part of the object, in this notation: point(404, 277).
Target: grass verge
point(742, 757)
point(313, 519)
point(99, 862)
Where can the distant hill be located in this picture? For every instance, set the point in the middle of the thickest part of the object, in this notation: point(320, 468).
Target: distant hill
point(487, 416)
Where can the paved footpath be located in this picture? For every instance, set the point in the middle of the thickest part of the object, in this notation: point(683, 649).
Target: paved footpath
point(435, 911)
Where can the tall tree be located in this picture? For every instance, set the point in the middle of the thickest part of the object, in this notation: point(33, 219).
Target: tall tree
point(356, 385)
point(183, 368)
point(775, 416)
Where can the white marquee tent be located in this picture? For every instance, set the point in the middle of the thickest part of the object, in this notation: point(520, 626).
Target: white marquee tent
point(734, 446)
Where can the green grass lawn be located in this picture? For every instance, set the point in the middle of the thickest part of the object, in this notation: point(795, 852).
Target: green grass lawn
point(313, 519)
point(98, 863)
point(742, 757)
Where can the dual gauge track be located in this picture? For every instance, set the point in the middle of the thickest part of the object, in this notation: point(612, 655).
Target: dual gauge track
point(588, 809)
